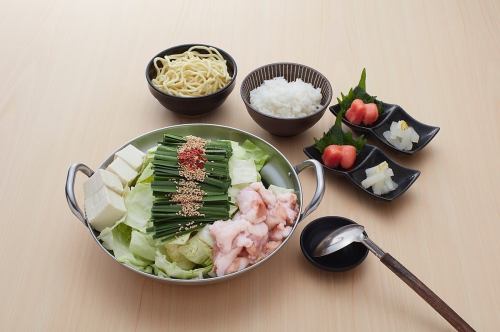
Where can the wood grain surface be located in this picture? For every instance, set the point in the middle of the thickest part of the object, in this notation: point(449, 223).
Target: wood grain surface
point(72, 89)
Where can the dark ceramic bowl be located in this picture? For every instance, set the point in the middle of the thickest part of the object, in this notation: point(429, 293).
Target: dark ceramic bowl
point(368, 157)
point(393, 113)
point(191, 105)
point(290, 71)
point(342, 260)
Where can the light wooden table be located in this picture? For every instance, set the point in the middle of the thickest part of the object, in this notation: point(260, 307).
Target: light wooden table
point(72, 88)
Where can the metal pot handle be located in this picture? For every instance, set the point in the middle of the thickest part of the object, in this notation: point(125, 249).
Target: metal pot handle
point(320, 185)
point(70, 189)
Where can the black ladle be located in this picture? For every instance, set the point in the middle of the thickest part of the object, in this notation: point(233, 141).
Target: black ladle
point(336, 240)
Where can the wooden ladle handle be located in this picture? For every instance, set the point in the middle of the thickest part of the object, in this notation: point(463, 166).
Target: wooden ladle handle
point(428, 295)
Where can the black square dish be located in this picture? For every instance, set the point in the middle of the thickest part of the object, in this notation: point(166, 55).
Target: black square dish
point(388, 109)
point(403, 176)
point(312, 152)
point(371, 156)
point(393, 113)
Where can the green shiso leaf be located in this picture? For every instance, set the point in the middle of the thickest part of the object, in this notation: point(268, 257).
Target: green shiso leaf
point(338, 137)
point(359, 92)
point(362, 80)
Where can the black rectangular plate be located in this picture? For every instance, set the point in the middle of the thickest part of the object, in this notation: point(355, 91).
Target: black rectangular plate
point(371, 156)
point(393, 113)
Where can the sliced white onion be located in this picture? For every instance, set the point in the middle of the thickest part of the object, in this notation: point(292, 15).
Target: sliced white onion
point(373, 179)
point(402, 139)
point(379, 178)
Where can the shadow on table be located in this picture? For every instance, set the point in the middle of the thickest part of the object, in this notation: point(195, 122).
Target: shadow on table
point(152, 304)
point(224, 115)
point(355, 277)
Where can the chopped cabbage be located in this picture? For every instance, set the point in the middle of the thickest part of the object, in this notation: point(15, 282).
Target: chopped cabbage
point(146, 175)
point(196, 251)
point(150, 155)
point(117, 239)
point(188, 252)
point(171, 269)
point(243, 171)
point(183, 239)
point(174, 255)
point(238, 151)
point(139, 250)
point(139, 202)
point(257, 154)
point(246, 162)
point(143, 245)
point(205, 236)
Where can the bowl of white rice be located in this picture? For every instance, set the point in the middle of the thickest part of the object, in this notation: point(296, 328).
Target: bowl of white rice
point(286, 98)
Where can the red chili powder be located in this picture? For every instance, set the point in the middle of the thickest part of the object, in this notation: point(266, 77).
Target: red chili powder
point(192, 159)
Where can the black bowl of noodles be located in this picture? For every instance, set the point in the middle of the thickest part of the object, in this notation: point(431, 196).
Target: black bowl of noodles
point(191, 79)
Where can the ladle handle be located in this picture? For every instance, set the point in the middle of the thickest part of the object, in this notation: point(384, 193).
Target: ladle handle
point(428, 295)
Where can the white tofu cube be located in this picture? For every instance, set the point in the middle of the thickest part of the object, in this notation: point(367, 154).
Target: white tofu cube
point(132, 156)
point(122, 170)
point(101, 178)
point(104, 208)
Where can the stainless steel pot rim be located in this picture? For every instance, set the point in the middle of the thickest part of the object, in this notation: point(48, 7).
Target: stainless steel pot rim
point(311, 207)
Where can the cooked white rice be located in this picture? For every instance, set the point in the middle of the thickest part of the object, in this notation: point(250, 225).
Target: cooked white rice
point(284, 99)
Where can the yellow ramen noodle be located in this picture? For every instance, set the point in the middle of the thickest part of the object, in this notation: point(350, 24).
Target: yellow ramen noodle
point(192, 73)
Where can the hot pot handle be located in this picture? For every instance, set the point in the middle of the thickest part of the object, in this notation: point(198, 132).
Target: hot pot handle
point(70, 189)
point(320, 185)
